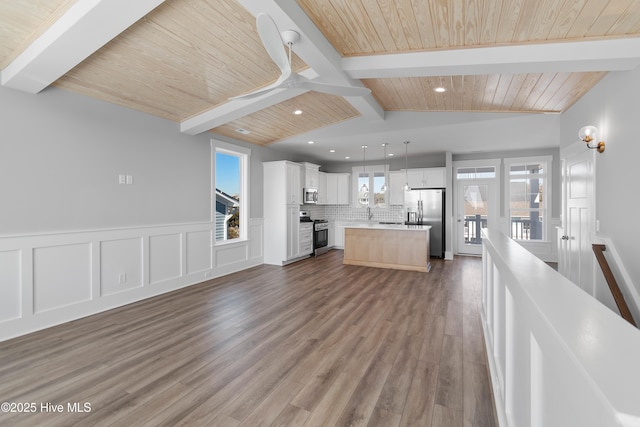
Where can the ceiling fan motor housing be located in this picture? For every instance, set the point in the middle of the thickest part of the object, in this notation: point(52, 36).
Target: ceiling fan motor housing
point(289, 37)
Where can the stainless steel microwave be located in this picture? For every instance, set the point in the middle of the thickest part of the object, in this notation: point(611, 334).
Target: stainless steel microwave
point(310, 196)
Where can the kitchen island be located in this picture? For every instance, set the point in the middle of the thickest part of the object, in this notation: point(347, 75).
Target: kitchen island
point(401, 247)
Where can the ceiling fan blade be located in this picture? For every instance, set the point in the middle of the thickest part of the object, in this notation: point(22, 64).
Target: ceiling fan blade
point(278, 83)
point(332, 89)
point(272, 41)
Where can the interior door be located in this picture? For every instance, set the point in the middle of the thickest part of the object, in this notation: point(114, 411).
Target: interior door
point(576, 256)
point(475, 211)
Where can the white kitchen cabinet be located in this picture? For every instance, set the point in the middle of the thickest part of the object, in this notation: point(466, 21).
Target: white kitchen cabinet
point(281, 217)
point(331, 238)
point(332, 189)
point(396, 187)
point(338, 188)
point(426, 177)
point(293, 232)
point(322, 188)
point(306, 238)
point(294, 189)
point(344, 186)
point(311, 175)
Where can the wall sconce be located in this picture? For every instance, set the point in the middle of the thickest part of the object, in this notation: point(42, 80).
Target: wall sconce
point(588, 134)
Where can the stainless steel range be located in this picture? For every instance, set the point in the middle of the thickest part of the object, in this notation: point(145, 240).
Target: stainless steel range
point(320, 236)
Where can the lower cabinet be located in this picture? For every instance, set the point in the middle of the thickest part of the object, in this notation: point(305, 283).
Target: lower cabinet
point(306, 238)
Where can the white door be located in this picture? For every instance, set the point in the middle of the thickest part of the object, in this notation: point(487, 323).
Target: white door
point(576, 256)
point(476, 211)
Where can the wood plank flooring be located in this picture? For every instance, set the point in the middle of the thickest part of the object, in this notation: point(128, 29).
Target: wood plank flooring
point(315, 343)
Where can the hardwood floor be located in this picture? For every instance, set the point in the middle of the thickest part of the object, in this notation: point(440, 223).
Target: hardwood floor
point(315, 343)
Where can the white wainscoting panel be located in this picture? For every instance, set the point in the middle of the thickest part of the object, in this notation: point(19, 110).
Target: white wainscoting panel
point(231, 253)
point(198, 251)
point(165, 257)
point(120, 265)
point(61, 276)
point(10, 284)
point(52, 278)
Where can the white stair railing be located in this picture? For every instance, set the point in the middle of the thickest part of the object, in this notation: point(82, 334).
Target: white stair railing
point(557, 356)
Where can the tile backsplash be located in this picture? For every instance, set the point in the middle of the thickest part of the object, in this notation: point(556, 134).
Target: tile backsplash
point(349, 213)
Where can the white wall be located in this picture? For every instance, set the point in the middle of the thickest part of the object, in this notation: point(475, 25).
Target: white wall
point(61, 155)
point(612, 106)
point(72, 240)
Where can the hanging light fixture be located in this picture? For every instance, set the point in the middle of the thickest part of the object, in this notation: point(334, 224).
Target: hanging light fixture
point(383, 189)
point(364, 187)
point(406, 175)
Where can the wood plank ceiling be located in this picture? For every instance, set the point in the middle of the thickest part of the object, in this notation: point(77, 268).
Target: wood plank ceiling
point(188, 56)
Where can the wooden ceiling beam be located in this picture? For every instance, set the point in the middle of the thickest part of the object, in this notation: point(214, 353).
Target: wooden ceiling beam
point(83, 29)
point(583, 56)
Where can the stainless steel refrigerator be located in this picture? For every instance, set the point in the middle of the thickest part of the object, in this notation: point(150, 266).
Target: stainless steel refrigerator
point(425, 206)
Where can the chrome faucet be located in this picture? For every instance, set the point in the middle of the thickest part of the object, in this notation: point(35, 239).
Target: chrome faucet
point(369, 214)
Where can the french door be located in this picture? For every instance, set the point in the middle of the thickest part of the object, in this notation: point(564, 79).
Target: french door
point(476, 203)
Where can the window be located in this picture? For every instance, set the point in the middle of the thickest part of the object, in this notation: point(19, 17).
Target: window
point(230, 183)
point(528, 197)
point(371, 180)
point(476, 173)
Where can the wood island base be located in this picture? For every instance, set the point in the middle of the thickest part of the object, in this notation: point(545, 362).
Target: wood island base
point(400, 248)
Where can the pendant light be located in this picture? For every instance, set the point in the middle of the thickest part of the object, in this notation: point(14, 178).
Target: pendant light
point(364, 167)
point(383, 189)
point(406, 175)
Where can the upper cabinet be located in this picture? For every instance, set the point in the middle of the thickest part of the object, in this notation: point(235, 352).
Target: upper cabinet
point(322, 188)
point(338, 185)
point(426, 178)
point(344, 184)
point(311, 175)
point(294, 190)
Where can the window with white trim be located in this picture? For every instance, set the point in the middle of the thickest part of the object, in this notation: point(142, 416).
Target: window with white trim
point(369, 181)
point(230, 191)
point(528, 197)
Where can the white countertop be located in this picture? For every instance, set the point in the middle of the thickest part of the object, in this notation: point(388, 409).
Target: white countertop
point(400, 227)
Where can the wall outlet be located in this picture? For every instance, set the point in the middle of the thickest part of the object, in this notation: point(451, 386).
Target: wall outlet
point(207, 274)
point(122, 278)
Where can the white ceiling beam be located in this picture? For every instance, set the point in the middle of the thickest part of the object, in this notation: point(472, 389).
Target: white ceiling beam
point(236, 109)
point(84, 28)
point(314, 49)
point(240, 107)
point(583, 56)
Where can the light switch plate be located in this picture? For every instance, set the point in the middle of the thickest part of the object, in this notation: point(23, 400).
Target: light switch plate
point(122, 179)
point(129, 179)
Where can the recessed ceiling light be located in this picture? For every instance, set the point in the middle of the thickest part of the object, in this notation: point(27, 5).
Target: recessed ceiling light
point(347, 157)
point(311, 142)
point(297, 112)
point(332, 151)
point(390, 154)
point(243, 131)
point(439, 89)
